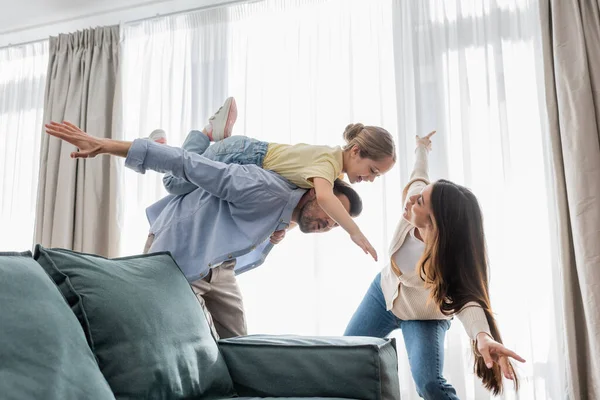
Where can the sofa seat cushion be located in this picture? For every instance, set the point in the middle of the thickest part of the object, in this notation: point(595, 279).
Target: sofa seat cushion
point(43, 350)
point(287, 398)
point(344, 367)
point(143, 323)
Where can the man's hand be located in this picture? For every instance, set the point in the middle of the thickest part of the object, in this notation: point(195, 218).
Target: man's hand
point(425, 140)
point(88, 146)
point(494, 352)
point(277, 236)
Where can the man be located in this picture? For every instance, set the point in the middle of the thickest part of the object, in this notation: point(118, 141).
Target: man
point(223, 227)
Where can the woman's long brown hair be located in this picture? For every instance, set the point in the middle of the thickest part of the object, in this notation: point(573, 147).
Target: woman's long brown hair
point(454, 266)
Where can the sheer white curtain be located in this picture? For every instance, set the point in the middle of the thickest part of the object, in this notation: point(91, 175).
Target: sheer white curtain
point(329, 64)
point(301, 71)
point(23, 72)
point(173, 77)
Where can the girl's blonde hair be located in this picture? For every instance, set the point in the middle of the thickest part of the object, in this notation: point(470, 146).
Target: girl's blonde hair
point(374, 143)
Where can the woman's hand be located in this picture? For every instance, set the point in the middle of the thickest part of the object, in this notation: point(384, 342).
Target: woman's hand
point(494, 352)
point(425, 140)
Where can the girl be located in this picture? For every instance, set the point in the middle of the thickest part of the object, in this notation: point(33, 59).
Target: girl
point(438, 268)
point(369, 153)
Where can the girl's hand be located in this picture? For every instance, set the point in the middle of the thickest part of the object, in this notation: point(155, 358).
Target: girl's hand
point(89, 146)
point(494, 352)
point(364, 244)
point(425, 140)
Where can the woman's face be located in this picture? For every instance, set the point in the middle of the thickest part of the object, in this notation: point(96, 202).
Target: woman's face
point(418, 209)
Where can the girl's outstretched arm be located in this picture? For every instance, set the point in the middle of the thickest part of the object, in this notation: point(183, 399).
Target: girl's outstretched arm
point(335, 209)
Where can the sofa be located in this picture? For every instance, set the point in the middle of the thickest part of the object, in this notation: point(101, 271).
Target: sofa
point(81, 326)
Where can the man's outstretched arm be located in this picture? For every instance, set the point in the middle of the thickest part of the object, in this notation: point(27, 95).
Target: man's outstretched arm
point(229, 182)
point(195, 142)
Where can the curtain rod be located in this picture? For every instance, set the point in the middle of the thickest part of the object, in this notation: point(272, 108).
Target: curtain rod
point(191, 10)
point(158, 15)
point(22, 43)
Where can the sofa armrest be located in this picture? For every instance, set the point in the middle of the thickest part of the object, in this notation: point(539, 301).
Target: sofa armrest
point(296, 366)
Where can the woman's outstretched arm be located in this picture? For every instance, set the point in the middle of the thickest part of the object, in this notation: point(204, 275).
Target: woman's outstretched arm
point(419, 178)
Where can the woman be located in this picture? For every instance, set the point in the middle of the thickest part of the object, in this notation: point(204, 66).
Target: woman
point(438, 269)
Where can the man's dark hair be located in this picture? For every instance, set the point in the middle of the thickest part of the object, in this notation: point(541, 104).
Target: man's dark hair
point(341, 187)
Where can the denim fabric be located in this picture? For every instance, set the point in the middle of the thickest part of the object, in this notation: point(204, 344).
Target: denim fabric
point(238, 150)
point(232, 150)
point(424, 341)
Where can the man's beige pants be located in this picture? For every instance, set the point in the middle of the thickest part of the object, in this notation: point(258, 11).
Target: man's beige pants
point(220, 298)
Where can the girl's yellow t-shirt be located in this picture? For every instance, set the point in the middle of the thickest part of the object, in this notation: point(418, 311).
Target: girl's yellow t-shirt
point(300, 163)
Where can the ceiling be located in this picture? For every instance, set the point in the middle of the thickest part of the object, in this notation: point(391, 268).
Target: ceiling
point(25, 14)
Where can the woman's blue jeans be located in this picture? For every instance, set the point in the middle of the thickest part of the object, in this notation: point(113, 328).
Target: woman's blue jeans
point(424, 341)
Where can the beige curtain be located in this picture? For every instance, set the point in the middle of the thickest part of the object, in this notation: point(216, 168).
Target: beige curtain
point(77, 206)
point(571, 44)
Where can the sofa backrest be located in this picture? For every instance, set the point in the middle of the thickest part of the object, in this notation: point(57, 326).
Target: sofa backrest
point(43, 352)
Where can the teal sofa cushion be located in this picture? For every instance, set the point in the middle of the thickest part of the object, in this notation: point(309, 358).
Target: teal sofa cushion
point(143, 323)
point(43, 350)
point(301, 366)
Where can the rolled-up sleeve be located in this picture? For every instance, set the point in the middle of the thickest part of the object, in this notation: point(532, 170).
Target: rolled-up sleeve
point(136, 155)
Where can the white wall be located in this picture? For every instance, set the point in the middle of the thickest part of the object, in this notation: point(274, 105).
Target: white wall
point(31, 20)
